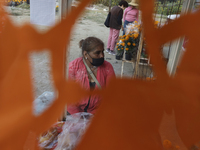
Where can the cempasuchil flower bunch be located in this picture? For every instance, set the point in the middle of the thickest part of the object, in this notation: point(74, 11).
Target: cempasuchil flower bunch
point(130, 41)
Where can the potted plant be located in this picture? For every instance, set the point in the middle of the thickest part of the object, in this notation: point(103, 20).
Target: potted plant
point(120, 49)
point(57, 7)
point(131, 44)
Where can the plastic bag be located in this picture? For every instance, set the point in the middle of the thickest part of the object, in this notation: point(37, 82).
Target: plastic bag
point(74, 127)
point(132, 27)
point(65, 135)
point(43, 102)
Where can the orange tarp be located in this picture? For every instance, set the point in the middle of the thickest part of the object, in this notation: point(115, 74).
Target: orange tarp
point(134, 114)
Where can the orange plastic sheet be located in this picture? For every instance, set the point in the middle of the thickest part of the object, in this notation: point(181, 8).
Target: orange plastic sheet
point(134, 114)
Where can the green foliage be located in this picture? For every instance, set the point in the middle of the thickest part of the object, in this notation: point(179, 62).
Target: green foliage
point(106, 2)
point(168, 8)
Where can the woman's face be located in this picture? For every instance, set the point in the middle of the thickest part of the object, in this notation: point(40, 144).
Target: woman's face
point(97, 53)
point(122, 7)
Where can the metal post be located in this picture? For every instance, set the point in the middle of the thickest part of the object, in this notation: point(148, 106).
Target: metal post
point(175, 52)
point(65, 9)
point(60, 9)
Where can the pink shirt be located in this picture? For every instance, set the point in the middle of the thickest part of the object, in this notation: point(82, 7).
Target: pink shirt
point(130, 14)
point(78, 72)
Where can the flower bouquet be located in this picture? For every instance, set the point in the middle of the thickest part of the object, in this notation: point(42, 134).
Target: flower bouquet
point(129, 42)
point(120, 49)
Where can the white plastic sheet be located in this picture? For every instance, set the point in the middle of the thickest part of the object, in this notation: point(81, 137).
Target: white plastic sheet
point(42, 12)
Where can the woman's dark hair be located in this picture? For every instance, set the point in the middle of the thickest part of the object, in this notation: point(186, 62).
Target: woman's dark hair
point(124, 3)
point(90, 43)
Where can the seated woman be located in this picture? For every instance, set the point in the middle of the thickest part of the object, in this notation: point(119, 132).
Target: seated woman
point(93, 57)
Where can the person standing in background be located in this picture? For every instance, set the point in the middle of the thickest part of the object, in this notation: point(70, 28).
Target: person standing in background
point(115, 25)
point(130, 14)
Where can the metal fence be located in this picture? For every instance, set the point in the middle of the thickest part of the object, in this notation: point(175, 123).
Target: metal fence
point(164, 12)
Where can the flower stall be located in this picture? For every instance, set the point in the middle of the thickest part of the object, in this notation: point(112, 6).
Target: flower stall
point(129, 42)
point(131, 48)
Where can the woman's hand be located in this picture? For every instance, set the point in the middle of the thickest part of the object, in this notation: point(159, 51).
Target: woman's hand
point(122, 28)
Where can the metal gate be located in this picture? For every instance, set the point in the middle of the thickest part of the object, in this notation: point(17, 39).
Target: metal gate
point(166, 11)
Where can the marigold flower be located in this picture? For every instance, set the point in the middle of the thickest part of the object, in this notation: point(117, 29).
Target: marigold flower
point(135, 22)
point(127, 49)
point(124, 35)
point(133, 44)
point(135, 35)
point(127, 38)
point(122, 48)
point(156, 22)
point(117, 43)
point(123, 40)
point(167, 144)
point(123, 44)
point(129, 43)
point(118, 49)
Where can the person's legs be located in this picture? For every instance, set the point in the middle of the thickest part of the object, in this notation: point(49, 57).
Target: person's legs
point(115, 36)
point(109, 40)
point(125, 23)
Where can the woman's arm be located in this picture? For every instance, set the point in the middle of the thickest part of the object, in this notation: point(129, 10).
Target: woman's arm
point(71, 71)
point(137, 15)
point(125, 12)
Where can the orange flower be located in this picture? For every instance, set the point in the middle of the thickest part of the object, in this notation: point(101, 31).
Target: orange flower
point(117, 43)
point(118, 49)
point(123, 44)
point(167, 144)
point(124, 35)
point(135, 22)
point(127, 49)
point(156, 22)
point(128, 43)
point(133, 44)
point(135, 35)
point(127, 37)
point(122, 48)
point(123, 40)
point(131, 35)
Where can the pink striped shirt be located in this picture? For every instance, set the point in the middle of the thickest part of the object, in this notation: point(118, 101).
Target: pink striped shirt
point(130, 14)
